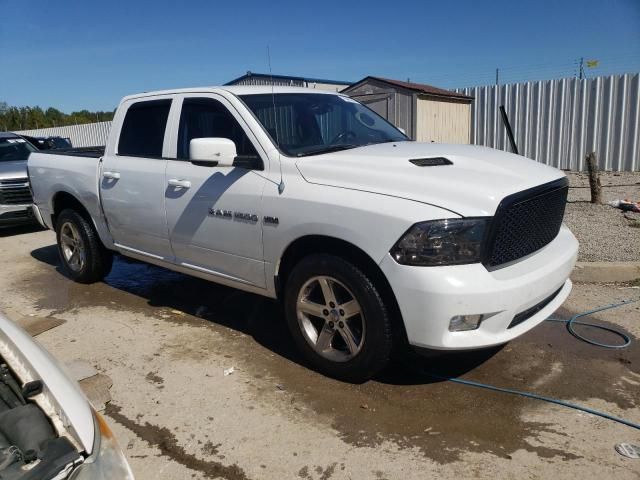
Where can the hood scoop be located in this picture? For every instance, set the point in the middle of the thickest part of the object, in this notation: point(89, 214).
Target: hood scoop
point(431, 162)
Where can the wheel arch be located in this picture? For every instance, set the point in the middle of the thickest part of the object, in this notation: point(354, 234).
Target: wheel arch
point(63, 200)
point(316, 244)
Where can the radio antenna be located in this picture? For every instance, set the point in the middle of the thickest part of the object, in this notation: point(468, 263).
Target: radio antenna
point(275, 119)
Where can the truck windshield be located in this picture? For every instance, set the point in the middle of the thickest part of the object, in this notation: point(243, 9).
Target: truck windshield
point(15, 149)
point(304, 124)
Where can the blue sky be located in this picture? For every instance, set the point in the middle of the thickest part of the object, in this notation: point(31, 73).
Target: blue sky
point(87, 54)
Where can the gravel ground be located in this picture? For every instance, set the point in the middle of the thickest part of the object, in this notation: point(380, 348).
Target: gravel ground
point(605, 233)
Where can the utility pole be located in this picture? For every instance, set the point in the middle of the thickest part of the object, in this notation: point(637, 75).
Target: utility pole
point(581, 68)
point(594, 178)
point(497, 76)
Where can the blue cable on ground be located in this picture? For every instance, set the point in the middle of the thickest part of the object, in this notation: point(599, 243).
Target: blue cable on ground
point(569, 323)
point(573, 321)
point(537, 397)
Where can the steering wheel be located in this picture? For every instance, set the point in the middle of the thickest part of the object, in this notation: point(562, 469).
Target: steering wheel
point(342, 136)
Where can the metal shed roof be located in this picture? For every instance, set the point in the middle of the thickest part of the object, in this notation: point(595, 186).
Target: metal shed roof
point(287, 77)
point(416, 87)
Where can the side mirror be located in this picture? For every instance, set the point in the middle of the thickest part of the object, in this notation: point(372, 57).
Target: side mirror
point(212, 152)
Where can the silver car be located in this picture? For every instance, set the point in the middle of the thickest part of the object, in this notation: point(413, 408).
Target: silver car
point(48, 428)
point(15, 195)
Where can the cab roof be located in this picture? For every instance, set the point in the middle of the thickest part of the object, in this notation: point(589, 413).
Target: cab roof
point(233, 89)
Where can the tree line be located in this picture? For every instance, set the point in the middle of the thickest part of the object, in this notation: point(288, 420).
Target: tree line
point(28, 118)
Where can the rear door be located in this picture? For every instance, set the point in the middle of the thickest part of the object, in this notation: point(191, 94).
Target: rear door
point(133, 178)
point(215, 216)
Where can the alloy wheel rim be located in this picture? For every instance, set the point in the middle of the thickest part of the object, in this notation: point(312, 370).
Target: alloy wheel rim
point(72, 246)
point(330, 318)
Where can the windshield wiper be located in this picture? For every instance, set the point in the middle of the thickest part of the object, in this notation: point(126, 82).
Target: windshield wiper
point(329, 149)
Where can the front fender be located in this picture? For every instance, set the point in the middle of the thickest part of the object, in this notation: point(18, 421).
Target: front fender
point(369, 221)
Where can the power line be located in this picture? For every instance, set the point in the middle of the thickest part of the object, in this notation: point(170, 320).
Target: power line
point(608, 64)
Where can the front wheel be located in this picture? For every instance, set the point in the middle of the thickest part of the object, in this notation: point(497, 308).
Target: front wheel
point(84, 257)
point(337, 318)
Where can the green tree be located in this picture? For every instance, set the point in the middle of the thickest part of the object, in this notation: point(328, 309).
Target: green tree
point(27, 118)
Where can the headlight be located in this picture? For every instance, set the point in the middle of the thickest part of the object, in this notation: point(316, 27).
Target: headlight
point(453, 241)
point(107, 461)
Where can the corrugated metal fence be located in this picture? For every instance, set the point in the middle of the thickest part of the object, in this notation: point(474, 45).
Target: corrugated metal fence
point(558, 122)
point(86, 135)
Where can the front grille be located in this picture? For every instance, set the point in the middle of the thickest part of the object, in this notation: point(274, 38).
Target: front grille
point(15, 192)
point(525, 222)
point(531, 311)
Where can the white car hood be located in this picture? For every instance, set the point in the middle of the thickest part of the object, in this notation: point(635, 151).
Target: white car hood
point(474, 185)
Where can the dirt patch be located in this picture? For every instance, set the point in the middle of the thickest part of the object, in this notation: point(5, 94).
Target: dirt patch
point(211, 449)
point(152, 377)
point(440, 419)
point(412, 408)
point(323, 473)
point(165, 441)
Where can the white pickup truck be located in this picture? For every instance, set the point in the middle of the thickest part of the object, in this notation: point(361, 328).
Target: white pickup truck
point(369, 239)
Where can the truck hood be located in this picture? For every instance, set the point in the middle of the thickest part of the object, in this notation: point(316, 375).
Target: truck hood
point(478, 179)
point(14, 169)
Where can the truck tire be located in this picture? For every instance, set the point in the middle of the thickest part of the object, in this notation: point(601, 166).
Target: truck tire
point(337, 318)
point(84, 258)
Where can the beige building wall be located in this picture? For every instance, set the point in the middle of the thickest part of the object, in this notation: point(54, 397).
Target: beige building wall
point(443, 121)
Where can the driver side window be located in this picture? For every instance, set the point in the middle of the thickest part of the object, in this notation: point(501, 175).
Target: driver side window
point(206, 117)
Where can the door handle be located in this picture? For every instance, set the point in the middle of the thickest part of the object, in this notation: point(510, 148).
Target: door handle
point(111, 175)
point(174, 182)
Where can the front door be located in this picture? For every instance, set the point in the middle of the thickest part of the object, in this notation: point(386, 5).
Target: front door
point(133, 181)
point(214, 214)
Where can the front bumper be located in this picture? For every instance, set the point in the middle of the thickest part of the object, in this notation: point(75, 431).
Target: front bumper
point(11, 214)
point(39, 217)
point(429, 297)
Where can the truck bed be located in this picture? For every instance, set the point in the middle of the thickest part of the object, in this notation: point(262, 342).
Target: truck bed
point(91, 152)
point(74, 171)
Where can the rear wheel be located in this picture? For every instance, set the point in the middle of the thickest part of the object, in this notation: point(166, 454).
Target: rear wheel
point(83, 256)
point(337, 318)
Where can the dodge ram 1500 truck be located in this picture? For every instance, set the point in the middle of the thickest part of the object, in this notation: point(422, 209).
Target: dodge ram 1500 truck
point(370, 240)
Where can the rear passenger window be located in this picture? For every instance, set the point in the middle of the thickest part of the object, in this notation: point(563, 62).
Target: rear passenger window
point(142, 133)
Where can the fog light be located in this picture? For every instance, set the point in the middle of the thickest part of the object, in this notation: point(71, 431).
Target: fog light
point(461, 323)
